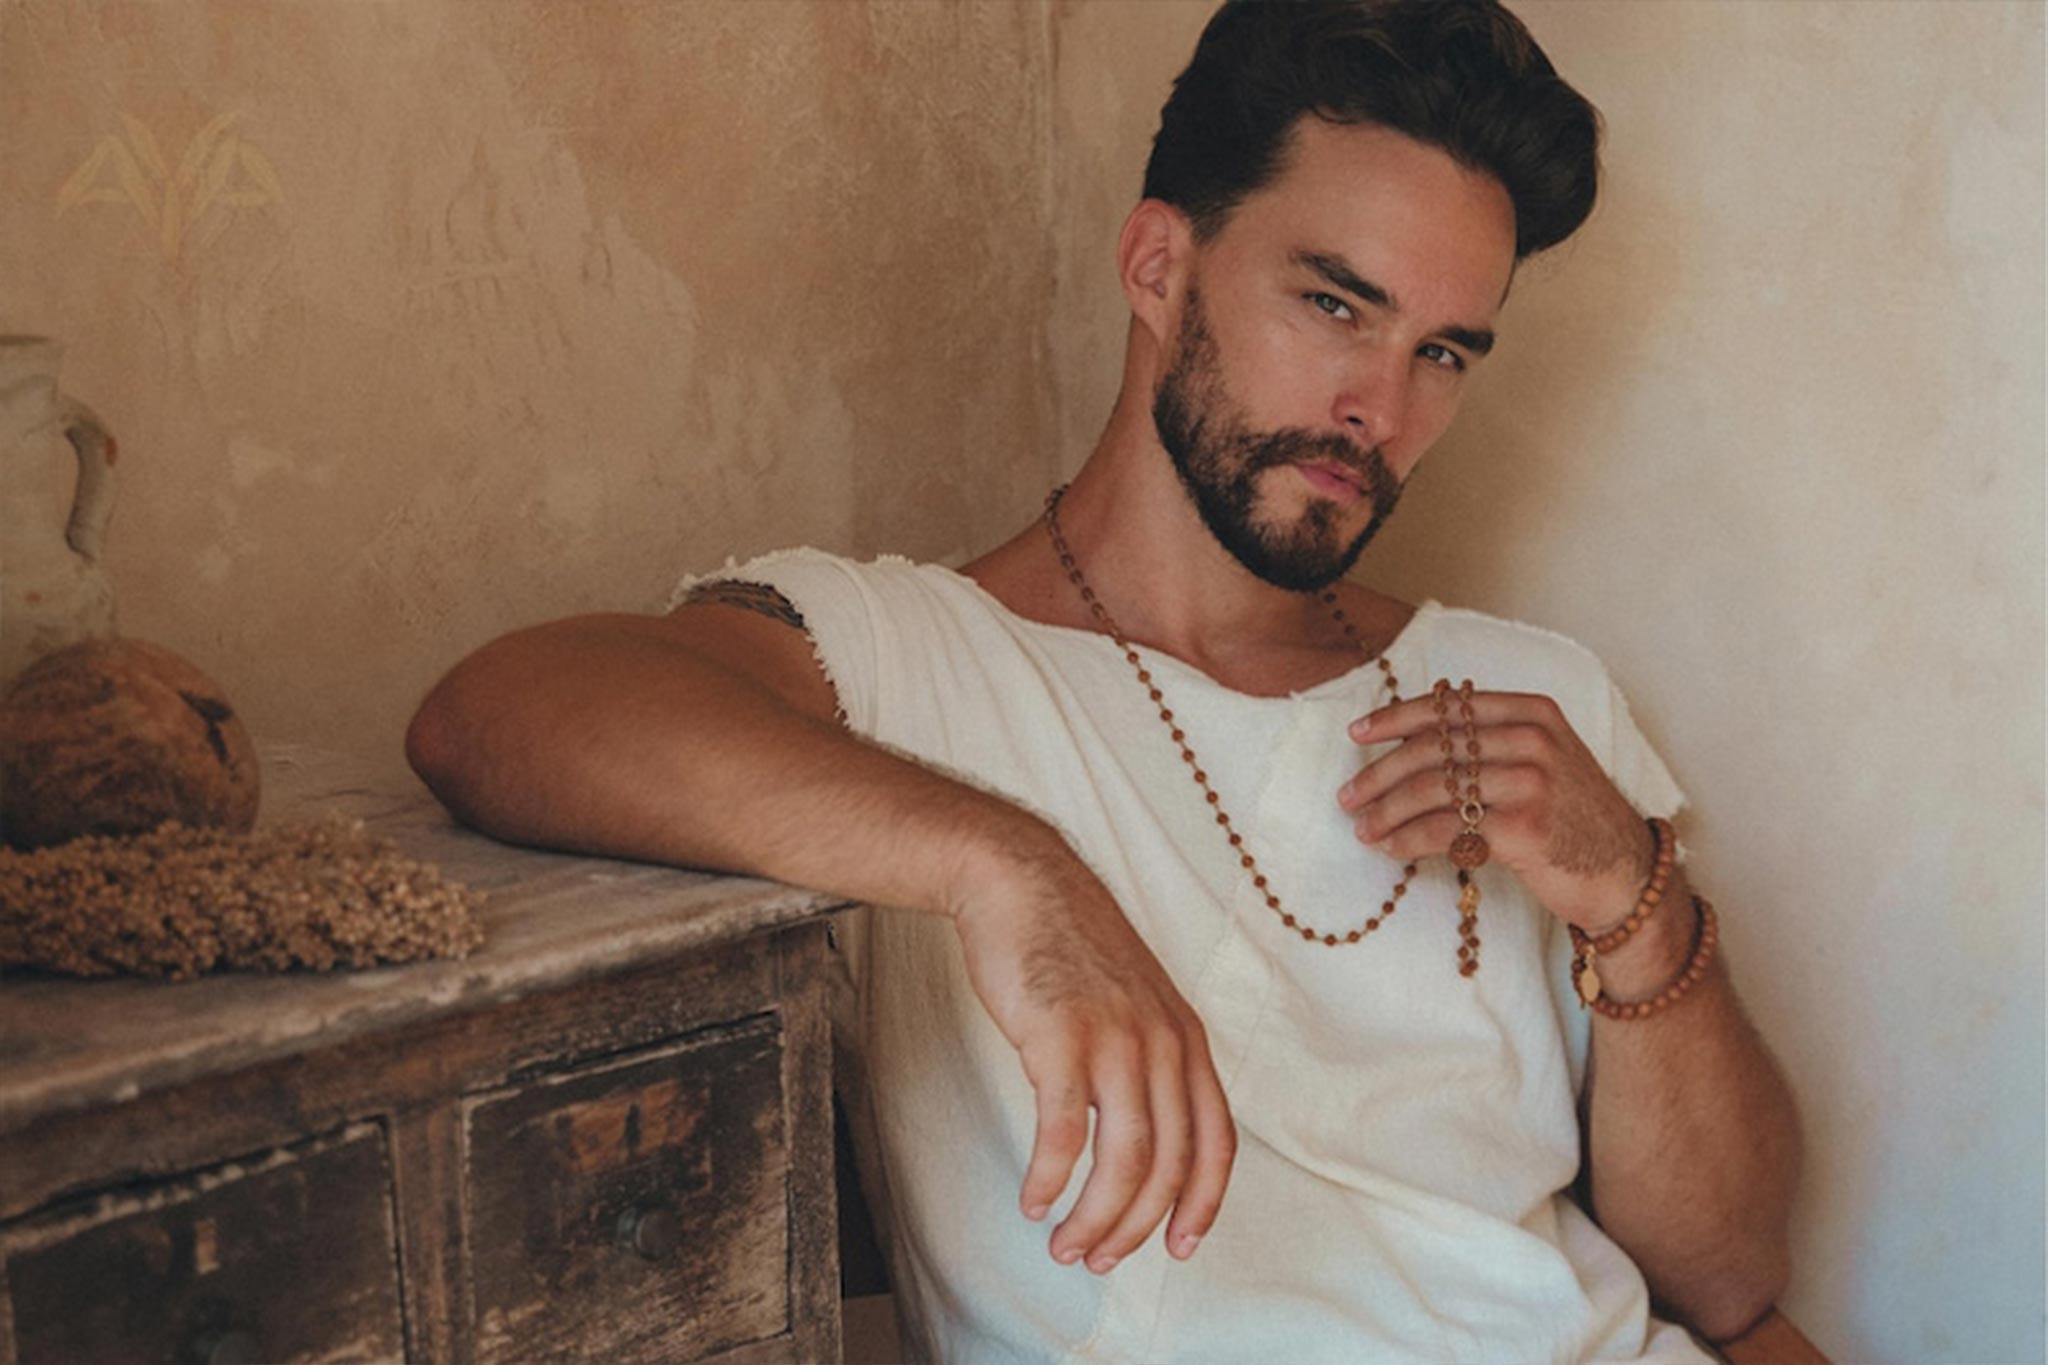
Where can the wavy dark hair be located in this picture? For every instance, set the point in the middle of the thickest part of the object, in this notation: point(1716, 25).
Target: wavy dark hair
point(1462, 75)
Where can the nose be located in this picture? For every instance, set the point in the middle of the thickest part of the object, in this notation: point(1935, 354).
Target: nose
point(1372, 406)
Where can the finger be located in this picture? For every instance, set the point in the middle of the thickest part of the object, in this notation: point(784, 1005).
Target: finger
point(1417, 715)
point(1423, 756)
point(1502, 785)
point(1201, 1197)
point(1373, 780)
point(1061, 1087)
point(1123, 1152)
point(1173, 1136)
point(1415, 796)
point(1423, 837)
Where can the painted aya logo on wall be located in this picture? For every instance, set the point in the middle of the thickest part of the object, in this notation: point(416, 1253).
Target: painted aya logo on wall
point(218, 168)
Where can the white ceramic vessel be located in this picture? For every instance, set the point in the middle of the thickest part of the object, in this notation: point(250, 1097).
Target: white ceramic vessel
point(53, 590)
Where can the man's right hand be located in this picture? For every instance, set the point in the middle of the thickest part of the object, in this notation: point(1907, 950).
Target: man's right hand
point(1098, 1024)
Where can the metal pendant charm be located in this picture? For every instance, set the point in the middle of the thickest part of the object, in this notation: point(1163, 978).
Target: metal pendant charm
point(1586, 978)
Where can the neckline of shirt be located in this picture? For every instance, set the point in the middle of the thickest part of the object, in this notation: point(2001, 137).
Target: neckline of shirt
point(1336, 686)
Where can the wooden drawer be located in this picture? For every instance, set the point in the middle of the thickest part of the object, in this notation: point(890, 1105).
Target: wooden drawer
point(634, 1210)
point(289, 1257)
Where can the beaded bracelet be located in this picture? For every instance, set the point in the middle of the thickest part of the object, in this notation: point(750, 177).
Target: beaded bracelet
point(1653, 893)
point(1586, 948)
point(1706, 936)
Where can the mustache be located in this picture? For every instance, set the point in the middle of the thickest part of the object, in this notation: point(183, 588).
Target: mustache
point(1297, 445)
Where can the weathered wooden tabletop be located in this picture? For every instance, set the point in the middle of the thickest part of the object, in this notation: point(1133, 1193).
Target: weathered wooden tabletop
point(549, 919)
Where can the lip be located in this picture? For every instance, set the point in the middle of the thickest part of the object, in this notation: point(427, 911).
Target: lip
point(1332, 480)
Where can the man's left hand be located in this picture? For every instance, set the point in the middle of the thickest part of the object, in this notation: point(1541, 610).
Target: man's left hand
point(1553, 817)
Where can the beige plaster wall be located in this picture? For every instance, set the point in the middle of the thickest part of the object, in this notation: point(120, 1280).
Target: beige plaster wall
point(502, 311)
point(1769, 437)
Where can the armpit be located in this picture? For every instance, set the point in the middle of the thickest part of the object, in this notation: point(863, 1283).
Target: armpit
point(755, 597)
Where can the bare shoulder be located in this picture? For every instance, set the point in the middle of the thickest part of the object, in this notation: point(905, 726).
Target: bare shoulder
point(754, 630)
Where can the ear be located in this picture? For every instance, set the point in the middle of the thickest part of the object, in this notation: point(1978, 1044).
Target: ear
point(1153, 258)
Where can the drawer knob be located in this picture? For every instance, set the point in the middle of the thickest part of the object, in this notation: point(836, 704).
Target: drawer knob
point(224, 1346)
point(653, 1233)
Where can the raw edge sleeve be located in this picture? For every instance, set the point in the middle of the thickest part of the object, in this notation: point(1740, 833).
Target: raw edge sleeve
point(1636, 768)
point(827, 593)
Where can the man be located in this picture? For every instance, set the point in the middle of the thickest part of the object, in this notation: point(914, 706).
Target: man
point(1161, 779)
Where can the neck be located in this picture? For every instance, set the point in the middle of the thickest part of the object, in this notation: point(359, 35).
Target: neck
point(1139, 539)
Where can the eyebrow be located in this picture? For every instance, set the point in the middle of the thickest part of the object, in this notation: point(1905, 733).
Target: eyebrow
point(1336, 271)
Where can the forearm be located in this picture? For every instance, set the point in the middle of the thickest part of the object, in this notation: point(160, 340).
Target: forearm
point(598, 734)
point(1693, 1137)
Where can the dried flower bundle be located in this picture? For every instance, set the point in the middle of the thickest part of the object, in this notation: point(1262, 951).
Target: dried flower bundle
point(178, 901)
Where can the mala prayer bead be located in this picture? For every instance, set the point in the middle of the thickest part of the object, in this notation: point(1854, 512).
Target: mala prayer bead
point(1468, 894)
point(1469, 851)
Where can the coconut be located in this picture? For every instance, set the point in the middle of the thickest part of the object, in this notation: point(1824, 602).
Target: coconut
point(117, 737)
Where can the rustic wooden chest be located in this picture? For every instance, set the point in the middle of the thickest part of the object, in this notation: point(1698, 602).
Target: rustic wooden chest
point(605, 1136)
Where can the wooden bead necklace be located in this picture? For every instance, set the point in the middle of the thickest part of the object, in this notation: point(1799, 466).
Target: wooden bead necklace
point(1469, 851)
point(1471, 810)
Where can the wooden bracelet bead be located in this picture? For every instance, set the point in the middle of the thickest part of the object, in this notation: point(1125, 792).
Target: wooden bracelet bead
point(1652, 897)
point(1707, 936)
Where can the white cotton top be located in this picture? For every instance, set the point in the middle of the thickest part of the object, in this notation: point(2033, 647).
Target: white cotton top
point(1405, 1135)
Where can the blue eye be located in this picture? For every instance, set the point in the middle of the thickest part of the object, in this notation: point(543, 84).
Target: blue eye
point(1444, 356)
point(1329, 305)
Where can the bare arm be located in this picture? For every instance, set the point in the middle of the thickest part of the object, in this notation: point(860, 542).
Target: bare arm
point(707, 738)
point(1692, 1137)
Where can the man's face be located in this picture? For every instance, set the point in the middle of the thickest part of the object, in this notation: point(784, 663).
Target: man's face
point(1323, 340)
point(1220, 459)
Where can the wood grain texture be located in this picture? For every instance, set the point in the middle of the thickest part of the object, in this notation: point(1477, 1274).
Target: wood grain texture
point(803, 966)
point(460, 1161)
point(551, 920)
point(164, 1131)
point(296, 1250)
point(558, 1168)
point(426, 1177)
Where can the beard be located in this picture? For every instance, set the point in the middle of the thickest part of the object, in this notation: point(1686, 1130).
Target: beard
point(1219, 459)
